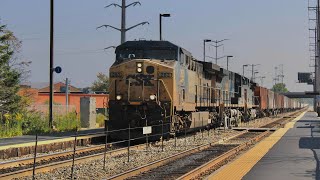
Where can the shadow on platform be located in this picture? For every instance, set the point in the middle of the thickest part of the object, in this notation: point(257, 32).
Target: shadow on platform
point(312, 143)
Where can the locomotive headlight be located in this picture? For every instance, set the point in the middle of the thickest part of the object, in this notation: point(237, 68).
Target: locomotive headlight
point(153, 97)
point(139, 70)
point(139, 65)
point(118, 97)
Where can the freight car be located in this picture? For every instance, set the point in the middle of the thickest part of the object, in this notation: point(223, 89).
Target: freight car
point(157, 82)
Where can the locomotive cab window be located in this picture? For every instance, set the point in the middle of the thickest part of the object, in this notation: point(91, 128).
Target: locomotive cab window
point(156, 54)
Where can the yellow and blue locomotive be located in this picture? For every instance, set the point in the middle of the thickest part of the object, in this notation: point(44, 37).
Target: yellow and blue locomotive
point(157, 82)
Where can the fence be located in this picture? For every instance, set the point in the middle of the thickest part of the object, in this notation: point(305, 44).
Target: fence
point(128, 142)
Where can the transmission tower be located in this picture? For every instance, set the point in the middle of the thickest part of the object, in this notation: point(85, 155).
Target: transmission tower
point(281, 73)
point(123, 28)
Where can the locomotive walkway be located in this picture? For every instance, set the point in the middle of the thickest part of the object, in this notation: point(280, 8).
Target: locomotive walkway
point(292, 152)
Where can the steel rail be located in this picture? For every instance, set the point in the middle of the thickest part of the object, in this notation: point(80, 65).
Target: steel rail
point(152, 165)
point(216, 162)
point(51, 166)
point(46, 157)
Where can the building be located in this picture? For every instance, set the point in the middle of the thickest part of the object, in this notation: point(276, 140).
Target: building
point(39, 97)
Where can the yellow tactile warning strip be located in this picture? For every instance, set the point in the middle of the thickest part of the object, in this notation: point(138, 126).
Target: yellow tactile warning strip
point(241, 166)
point(41, 142)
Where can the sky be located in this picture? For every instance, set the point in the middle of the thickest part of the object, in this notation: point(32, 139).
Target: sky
point(269, 33)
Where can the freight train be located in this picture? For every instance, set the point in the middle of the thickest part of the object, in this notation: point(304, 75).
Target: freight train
point(157, 82)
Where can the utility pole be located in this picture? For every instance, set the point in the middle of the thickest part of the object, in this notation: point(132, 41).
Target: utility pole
point(216, 46)
point(123, 21)
point(123, 28)
point(67, 95)
point(276, 77)
point(279, 73)
point(317, 88)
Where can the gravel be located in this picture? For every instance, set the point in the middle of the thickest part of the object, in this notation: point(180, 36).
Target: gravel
point(263, 121)
point(117, 164)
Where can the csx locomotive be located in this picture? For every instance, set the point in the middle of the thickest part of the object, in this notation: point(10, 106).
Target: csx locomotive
point(155, 82)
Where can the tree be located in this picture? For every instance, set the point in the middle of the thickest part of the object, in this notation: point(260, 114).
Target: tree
point(279, 88)
point(11, 72)
point(101, 84)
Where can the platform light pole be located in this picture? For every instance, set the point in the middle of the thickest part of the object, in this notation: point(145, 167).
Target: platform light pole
point(51, 69)
point(204, 48)
point(243, 66)
point(228, 62)
point(160, 23)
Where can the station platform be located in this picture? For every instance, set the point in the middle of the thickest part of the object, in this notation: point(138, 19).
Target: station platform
point(291, 152)
point(23, 145)
point(31, 138)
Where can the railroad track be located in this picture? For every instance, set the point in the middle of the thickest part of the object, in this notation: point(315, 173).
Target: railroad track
point(177, 165)
point(45, 163)
point(192, 164)
point(280, 122)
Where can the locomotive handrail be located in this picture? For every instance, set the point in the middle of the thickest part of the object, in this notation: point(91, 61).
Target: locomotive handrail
point(171, 104)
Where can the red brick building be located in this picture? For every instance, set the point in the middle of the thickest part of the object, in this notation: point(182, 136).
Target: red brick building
point(40, 97)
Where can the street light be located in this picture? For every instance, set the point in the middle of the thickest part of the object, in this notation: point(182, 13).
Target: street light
point(252, 66)
point(243, 66)
point(204, 48)
point(228, 62)
point(160, 17)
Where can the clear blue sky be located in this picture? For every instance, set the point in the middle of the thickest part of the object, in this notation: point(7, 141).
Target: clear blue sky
point(269, 32)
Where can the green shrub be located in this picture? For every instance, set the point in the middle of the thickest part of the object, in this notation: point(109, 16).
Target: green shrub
point(35, 123)
point(100, 119)
point(9, 126)
point(68, 122)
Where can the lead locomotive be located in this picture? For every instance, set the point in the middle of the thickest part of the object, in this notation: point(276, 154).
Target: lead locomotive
point(159, 84)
